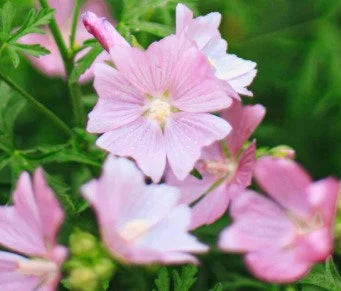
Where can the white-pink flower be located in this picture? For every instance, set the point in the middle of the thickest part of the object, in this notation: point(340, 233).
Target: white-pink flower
point(140, 223)
point(52, 64)
point(283, 236)
point(155, 104)
point(30, 228)
point(238, 73)
point(233, 172)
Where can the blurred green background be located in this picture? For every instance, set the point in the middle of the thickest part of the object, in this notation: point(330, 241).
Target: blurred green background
point(297, 46)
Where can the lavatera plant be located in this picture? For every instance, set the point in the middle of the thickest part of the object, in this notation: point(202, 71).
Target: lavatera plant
point(179, 165)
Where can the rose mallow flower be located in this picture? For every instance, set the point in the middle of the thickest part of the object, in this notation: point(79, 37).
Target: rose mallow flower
point(139, 223)
point(226, 173)
point(238, 73)
point(285, 234)
point(155, 104)
point(29, 230)
point(52, 64)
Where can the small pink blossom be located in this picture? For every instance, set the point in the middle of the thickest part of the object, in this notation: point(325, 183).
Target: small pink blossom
point(283, 236)
point(155, 104)
point(140, 223)
point(233, 173)
point(30, 228)
point(52, 64)
point(238, 73)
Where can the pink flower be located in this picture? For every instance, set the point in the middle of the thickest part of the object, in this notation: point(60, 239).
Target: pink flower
point(283, 236)
point(230, 173)
point(140, 224)
point(238, 73)
point(155, 104)
point(52, 64)
point(30, 228)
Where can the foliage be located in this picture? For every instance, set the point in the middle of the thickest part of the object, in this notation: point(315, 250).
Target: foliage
point(296, 45)
point(10, 38)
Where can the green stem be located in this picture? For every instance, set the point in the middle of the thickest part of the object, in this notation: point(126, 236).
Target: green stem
point(2, 47)
point(58, 37)
point(77, 103)
point(68, 60)
point(74, 24)
point(36, 104)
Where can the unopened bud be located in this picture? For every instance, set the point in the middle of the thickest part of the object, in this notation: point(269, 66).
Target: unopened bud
point(283, 151)
point(82, 243)
point(83, 279)
point(104, 268)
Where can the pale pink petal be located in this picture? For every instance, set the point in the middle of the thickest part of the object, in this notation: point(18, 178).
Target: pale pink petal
point(119, 103)
point(323, 196)
point(25, 202)
point(101, 29)
point(204, 28)
point(286, 182)
point(151, 205)
point(17, 234)
point(171, 235)
point(315, 246)
point(186, 134)
point(246, 165)
point(238, 72)
point(213, 152)
point(151, 71)
point(211, 207)
point(10, 278)
point(278, 266)
point(120, 177)
point(63, 8)
point(184, 17)
point(258, 224)
point(215, 48)
point(50, 213)
point(191, 187)
point(194, 88)
point(244, 120)
point(142, 140)
point(89, 74)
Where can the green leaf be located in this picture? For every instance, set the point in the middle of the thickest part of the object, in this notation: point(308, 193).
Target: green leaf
point(10, 107)
point(32, 23)
point(332, 275)
point(85, 62)
point(13, 55)
point(196, 174)
point(35, 50)
point(7, 14)
point(153, 28)
point(62, 191)
point(327, 278)
point(217, 287)
point(162, 281)
point(4, 161)
point(187, 278)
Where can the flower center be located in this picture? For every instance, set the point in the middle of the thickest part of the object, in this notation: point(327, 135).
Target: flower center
point(37, 267)
point(159, 110)
point(304, 226)
point(134, 229)
point(212, 61)
point(221, 168)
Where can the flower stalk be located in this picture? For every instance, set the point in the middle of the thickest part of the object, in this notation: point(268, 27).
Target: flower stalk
point(68, 59)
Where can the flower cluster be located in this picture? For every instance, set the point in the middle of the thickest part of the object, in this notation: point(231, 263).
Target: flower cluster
point(163, 113)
